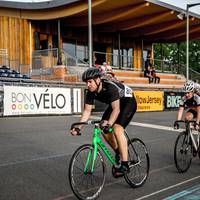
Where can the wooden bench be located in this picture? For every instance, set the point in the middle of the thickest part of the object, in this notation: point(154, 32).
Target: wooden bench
point(136, 78)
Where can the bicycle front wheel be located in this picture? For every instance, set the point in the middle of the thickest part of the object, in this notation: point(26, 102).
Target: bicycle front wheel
point(84, 183)
point(183, 152)
point(138, 159)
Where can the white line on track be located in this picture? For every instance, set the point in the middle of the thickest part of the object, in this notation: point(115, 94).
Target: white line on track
point(166, 128)
point(34, 159)
point(167, 188)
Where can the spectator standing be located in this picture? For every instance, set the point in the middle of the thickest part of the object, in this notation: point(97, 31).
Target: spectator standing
point(106, 68)
point(103, 67)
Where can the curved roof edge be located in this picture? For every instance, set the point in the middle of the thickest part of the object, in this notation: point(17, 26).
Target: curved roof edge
point(174, 7)
point(35, 5)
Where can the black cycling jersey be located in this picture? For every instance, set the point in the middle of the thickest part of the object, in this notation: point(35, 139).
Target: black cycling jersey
point(111, 91)
point(190, 103)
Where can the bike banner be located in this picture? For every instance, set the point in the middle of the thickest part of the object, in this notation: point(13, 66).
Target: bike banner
point(149, 100)
point(172, 100)
point(20, 100)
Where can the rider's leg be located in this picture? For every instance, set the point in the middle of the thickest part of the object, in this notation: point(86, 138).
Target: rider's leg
point(121, 141)
point(111, 140)
point(189, 116)
point(123, 148)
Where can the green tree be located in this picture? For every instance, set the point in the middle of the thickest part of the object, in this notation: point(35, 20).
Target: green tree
point(170, 54)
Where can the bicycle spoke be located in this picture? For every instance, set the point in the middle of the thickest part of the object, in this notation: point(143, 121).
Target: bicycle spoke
point(182, 152)
point(86, 185)
point(139, 163)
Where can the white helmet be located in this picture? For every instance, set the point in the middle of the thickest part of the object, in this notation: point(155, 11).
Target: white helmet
point(189, 86)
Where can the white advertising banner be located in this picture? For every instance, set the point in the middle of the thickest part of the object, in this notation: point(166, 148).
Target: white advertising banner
point(36, 100)
point(77, 100)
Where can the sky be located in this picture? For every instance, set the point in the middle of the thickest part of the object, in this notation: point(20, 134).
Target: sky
point(181, 4)
point(28, 1)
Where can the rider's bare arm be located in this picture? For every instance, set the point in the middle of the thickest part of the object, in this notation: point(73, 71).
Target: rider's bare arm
point(85, 116)
point(180, 113)
point(86, 113)
point(115, 112)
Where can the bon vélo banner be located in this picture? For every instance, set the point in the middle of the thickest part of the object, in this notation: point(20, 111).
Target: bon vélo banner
point(19, 100)
point(149, 100)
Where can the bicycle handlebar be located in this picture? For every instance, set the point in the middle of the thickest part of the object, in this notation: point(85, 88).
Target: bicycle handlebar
point(186, 121)
point(90, 122)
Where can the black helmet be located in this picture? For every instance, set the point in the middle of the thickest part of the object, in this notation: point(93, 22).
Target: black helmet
point(91, 73)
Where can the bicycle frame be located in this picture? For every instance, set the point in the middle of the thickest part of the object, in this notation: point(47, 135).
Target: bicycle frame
point(191, 135)
point(96, 141)
point(189, 130)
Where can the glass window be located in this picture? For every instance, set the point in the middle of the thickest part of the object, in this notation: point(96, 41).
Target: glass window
point(130, 58)
point(115, 57)
point(81, 52)
point(70, 48)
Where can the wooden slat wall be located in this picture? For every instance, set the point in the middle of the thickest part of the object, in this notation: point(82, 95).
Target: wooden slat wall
point(15, 37)
point(137, 54)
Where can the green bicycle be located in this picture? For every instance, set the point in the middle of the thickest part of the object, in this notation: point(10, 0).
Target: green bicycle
point(87, 166)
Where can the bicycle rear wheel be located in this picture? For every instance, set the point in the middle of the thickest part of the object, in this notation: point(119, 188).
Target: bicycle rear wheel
point(183, 152)
point(86, 185)
point(138, 163)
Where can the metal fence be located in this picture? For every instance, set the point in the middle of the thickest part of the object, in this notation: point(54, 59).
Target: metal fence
point(43, 61)
point(128, 62)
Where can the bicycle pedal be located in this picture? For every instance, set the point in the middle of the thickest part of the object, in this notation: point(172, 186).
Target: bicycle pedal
point(118, 172)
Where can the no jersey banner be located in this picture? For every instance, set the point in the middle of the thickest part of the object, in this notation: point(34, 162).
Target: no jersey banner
point(149, 100)
point(36, 100)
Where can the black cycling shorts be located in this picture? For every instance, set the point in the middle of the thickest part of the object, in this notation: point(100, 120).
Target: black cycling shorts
point(128, 107)
point(194, 112)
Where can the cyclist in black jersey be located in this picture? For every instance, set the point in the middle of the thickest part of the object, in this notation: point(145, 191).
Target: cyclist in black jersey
point(190, 101)
point(121, 108)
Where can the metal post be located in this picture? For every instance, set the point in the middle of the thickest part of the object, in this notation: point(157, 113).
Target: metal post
point(178, 67)
point(142, 60)
point(90, 32)
point(59, 34)
point(187, 37)
point(187, 43)
point(119, 52)
point(59, 61)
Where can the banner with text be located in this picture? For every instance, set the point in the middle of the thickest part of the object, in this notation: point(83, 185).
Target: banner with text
point(36, 100)
point(149, 100)
point(172, 100)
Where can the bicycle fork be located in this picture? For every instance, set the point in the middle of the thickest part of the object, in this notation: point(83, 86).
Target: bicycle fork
point(92, 155)
point(91, 158)
point(195, 143)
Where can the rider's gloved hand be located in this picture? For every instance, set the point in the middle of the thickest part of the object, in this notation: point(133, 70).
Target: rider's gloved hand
point(75, 131)
point(107, 129)
point(176, 125)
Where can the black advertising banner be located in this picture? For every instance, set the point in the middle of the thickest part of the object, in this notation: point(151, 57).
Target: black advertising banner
point(172, 100)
